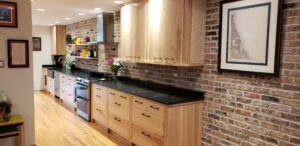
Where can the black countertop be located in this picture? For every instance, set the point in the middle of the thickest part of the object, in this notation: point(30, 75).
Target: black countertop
point(163, 94)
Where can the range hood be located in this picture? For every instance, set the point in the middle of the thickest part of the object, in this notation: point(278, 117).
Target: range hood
point(105, 27)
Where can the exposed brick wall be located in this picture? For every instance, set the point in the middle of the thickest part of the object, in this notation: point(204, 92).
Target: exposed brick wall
point(241, 109)
point(82, 29)
point(88, 28)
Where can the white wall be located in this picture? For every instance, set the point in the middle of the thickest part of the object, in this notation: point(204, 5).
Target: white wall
point(18, 83)
point(41, 57)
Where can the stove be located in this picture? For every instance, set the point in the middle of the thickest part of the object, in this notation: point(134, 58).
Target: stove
point(83, 92)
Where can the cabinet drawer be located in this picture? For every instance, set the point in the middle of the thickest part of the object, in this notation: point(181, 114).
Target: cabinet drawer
point(147, 120)
point(142, 137)
point(149, 106)
point(118, 107)
point(119, 125)
point(119, 96)
point(100, 90)
point(99, 113)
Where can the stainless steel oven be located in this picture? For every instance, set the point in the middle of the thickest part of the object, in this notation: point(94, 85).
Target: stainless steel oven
point(83, 98)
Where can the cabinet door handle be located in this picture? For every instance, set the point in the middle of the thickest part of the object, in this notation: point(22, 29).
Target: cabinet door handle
point(117, 104)
point(98, 110)
point(123, 97)
point(98, 89)
point(153, 107)
point(159, 60)
point(148, 135)
point(98, 96)
point(138, 102)
point(172, 60)
point(146, 115)
point(112, 93)
point(117, 119)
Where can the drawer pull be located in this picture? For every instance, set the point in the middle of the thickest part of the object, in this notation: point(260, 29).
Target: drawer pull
point(98, 110)
point(156, 108)
point(117, 104)
point(98, 96)
point(98, 89)
point(117, 119)
point(148, 135)
point(138, 102)
point(123, 97)
point(146, 115)
point(112, 93)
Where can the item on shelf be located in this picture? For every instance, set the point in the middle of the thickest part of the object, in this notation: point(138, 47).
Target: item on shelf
point(95, 53)
point(83, 53)
point(82, 41)
point(69, 39)
point(5, 107)
point(87, 39)
point(78, 41)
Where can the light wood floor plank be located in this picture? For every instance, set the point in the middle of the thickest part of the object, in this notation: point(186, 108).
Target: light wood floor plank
point(57, 126)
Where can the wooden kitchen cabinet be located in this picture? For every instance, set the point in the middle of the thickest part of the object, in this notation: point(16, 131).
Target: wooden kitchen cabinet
point(99, 104)
point(67, 90)
point(59, 40)
point(133, 31)
point(171, 32)
point(50, 86)
point(144, 122)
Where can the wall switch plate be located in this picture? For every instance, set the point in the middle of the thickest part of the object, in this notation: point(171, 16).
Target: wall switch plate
point(1, 63)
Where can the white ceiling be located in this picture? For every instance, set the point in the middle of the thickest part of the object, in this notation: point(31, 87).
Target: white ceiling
point(58, 10)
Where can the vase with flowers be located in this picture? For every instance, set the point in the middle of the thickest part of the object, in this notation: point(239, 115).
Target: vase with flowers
point(114, 66)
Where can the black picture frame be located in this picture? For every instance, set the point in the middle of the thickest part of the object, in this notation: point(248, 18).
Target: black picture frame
point(10, 9)
point(36, 43)
point(18, 48)
point(277, 62)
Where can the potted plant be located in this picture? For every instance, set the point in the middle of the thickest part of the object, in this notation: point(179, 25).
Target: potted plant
point(115, 65)
point(69, 64)
point(5, 107)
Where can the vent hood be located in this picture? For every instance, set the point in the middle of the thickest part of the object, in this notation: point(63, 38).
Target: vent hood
point(105, 27)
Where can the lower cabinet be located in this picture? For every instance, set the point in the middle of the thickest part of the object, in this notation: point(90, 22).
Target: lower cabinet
point(67, 90)
point(50, 86)
point(144, 122)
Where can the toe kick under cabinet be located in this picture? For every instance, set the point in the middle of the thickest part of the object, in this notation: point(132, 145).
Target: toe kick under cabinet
point(144, 122)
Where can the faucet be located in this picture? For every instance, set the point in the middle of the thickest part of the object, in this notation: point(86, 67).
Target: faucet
point(60, 59)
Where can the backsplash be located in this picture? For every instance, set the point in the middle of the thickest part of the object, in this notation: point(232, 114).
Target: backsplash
point(241, 109)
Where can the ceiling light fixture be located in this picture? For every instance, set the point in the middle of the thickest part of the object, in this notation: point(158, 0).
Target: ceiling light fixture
point(118, 1)
point(41, 10)
point(50, 24)
point(97, 9)
point(81, 14)
point(56, 22)
point(67, 18)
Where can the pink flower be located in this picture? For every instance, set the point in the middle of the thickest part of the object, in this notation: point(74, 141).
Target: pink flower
point(109, 61)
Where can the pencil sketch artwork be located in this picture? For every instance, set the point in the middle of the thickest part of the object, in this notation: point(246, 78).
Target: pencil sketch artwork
point(247, 35)
point(237, 50)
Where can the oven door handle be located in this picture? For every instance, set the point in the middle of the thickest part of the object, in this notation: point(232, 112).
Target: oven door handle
point(81, 98)
point(75, 91)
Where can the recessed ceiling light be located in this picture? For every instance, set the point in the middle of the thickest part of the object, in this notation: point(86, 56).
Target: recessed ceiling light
point(118, 1)
point(67, 18)
point(97, 9)
point(31, 0)
point(56, 22)
point(50, 24)
point(40, 9)
point(81, 14)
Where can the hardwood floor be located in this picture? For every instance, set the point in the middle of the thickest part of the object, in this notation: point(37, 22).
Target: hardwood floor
point(57, 126)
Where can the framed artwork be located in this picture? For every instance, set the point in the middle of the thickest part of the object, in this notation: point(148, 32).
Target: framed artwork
point(8, 14)
point(250, 33)
point(37, 43)
point(1, 63)
point(18, 53)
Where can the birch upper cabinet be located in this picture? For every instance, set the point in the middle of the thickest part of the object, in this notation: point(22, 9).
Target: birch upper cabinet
point(166, 32)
